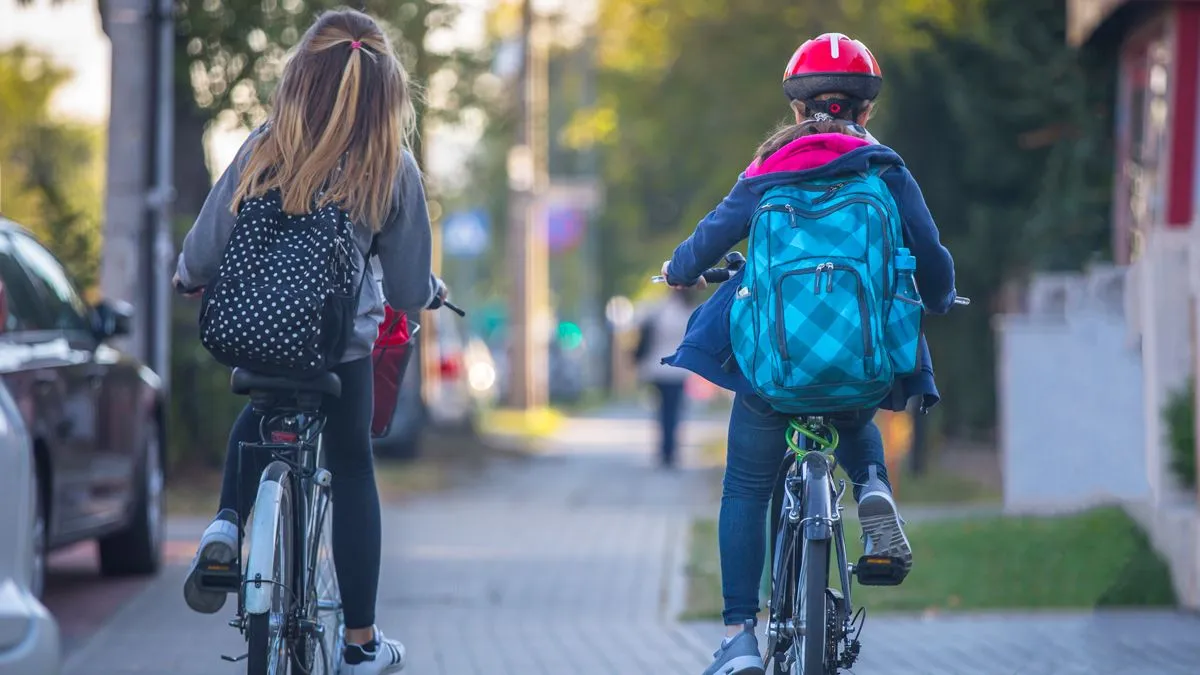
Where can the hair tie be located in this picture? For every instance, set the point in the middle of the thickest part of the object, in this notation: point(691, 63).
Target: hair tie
point(355, 44)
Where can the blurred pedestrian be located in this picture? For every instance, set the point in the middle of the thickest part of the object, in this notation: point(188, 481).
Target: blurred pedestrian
point(660, 332)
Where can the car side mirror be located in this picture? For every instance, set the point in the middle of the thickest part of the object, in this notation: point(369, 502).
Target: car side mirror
point(113, 318)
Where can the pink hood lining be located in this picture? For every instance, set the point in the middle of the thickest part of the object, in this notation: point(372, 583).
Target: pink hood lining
point(808, 152)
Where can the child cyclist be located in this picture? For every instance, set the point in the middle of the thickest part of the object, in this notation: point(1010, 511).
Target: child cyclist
point(338, 131)
point(831, 82)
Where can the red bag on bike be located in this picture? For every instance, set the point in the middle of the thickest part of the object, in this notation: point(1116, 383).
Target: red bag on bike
point(390, 358)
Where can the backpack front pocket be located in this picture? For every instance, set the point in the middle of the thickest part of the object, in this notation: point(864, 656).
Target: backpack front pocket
point(822, 328)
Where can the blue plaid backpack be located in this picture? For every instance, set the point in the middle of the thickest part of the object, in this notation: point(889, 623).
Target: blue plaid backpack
point(828, 314)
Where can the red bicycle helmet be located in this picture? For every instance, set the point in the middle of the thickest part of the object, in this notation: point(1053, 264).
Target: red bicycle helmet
point(832, 63)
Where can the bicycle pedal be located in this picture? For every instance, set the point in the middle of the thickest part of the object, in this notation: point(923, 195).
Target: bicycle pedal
point(880, 571)
point(215, 576)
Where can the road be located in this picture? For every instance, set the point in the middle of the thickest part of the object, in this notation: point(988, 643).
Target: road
point(571, 561)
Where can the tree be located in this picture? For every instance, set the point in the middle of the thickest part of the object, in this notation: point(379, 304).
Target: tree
point(50, 170)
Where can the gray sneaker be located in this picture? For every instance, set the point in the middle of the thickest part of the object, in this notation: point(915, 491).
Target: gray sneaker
point(882, 526)
point(738, 655)
point(218, 545)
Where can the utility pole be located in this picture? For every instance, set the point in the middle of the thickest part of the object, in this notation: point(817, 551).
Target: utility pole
point(158, 241)
point(130, 124)
point(528, 179)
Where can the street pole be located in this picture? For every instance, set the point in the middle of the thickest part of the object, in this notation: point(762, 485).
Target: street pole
point(526, 236)
point(130, 122)
point(162, 196)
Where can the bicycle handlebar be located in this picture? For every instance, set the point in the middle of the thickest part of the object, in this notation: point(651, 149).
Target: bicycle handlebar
point(735, 261)
point(183, 290)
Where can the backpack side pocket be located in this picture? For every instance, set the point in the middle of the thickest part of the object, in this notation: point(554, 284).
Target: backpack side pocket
point(902, 336)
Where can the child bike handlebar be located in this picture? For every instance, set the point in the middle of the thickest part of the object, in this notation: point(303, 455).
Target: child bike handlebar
point(735, 261)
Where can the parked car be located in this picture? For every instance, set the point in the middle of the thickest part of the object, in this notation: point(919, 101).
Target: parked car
point(94, 414)
point(28, 634)
point(464, 384)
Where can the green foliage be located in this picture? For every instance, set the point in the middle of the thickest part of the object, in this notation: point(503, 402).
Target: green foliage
point(1180, 417)
point(51, 171)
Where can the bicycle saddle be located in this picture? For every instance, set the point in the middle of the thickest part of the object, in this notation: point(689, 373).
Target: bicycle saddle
point(244, 382)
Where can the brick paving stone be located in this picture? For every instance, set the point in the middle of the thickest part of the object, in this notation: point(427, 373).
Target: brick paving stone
point(568, 563)
point(1084, 643)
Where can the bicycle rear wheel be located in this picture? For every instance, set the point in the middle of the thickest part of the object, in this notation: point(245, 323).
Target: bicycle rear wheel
point(319, 650)
point(813, 607)
point(266, 633)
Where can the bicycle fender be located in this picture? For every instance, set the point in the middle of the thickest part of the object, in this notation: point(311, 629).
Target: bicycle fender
point(818, 502)
point(260, 561)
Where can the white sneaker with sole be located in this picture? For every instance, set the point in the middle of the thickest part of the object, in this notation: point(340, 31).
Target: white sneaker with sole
point(378, 657)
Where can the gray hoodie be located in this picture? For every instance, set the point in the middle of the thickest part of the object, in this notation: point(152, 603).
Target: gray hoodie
point(403, 247)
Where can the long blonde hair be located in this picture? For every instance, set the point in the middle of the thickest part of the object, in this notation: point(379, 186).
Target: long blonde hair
point(341, 118)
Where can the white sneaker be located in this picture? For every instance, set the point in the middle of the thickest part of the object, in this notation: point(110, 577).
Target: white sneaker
point(218, 545)
point(379, 657)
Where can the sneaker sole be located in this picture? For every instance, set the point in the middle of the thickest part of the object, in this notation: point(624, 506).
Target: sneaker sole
point(207, 602)
point(881, 523)
point(742, 665)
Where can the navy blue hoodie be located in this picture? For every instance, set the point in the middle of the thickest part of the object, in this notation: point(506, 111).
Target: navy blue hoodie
point(706, 349)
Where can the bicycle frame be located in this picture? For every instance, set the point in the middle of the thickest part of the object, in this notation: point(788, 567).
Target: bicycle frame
point(811, 509)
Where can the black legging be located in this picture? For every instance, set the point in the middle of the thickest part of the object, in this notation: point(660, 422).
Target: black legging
point(347, 450)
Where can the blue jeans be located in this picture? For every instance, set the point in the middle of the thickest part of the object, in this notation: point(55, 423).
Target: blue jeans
point(757, 446)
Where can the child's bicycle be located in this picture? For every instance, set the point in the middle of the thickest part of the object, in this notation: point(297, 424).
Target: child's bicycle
point(812, 628)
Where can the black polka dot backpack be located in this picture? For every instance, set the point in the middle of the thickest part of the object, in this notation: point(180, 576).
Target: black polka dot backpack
point(287, 290)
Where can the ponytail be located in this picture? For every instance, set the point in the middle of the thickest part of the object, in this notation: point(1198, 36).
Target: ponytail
point(341, 119)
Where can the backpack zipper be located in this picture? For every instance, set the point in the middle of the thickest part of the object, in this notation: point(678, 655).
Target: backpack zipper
point(879, 207)
point(829, 192)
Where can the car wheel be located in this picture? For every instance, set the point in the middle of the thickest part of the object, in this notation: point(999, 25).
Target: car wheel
point(137, 549)
point(37, 576)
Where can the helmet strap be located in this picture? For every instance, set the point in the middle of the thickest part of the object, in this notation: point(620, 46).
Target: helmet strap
point(833, 108)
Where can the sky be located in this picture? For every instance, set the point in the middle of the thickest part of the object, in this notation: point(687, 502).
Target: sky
point(70, 32)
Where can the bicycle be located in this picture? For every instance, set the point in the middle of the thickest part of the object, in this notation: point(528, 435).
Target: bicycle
point(803, 637)
point(289, 605)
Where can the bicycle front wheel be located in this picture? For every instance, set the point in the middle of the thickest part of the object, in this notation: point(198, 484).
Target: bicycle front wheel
point(813, 607)
point(266, 632)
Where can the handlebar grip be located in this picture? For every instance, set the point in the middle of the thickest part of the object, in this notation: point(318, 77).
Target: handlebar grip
point(717, 275)
point(450, 306)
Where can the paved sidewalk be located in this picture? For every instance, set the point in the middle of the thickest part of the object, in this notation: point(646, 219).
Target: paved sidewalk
point(569, 562)
point(1107, 643)
point(564, 562)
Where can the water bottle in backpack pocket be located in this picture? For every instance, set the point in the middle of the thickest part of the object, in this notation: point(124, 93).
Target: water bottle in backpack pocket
point(903, 334)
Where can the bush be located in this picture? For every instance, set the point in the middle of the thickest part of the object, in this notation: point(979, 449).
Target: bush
point(1180, 418)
